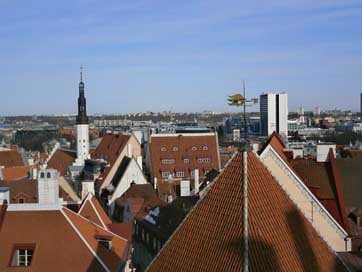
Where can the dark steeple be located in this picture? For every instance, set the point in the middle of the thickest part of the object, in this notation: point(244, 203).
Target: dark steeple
point(82, 118)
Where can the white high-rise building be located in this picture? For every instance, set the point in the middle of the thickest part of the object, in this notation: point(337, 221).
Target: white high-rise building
point(274, 114)
point(82, 127)
point(317, 111)
point(300, 111)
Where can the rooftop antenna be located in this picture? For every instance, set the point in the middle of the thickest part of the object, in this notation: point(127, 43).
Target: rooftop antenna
point(239, 100)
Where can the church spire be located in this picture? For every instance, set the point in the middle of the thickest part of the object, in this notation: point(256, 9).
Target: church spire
point(82, 117)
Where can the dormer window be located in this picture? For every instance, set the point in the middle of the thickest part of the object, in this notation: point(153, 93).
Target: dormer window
point(22, 256)
point(105, 242)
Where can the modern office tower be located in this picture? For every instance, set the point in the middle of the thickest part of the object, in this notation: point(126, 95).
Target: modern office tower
point(300, 111)
point(274, 114)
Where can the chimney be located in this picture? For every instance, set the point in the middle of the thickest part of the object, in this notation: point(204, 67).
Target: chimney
point(155, 183)
point(197, 181)
point(34, 173)
point(4, 195)
point(185, 188)
point(87, 187)
point(129, 150)
point(139, 161)
point(48, 187)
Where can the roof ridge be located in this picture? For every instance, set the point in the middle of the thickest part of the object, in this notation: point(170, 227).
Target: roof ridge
point(83, 239)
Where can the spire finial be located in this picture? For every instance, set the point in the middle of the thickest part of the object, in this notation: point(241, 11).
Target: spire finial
point(81, 73)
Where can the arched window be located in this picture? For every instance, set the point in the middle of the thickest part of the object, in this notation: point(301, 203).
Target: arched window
point(42, 175)
point(49, 175)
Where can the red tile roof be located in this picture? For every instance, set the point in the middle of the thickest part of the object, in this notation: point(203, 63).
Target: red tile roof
point(26, 189)
point(63, 241)
point(180, 147)
point(14, 173)
point(11, 158)
point(278, 145)
point(280, 237)
point(93, 211)
point(61, 160)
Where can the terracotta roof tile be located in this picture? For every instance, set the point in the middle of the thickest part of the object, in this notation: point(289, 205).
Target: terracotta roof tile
point(11, 158)
point(14, 173)
point(280, 237)
point(93, 211)
point(112, 258)
point(57, 246)
point(61, 160)
point(180, 147)
point(26, 189)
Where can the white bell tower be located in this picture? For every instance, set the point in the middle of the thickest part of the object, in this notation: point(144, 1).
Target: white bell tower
point(82, 126)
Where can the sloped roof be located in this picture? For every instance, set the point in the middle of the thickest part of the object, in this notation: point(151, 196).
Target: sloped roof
point(120, 171)
point(180, 147)
point(93, 211)
point(92, 231)
point(22, 187)
point(63, 241)
point(278, 145)
point(351, 172)
point(110, 147)
point(10, 158)
point(324, 182)
point(16, 172)
point(142, 198)
point(280, 237)
point(61, 160)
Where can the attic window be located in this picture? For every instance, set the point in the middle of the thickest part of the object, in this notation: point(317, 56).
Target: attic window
point(205, 148)
point(22, 255)
point(105, 242)
point(175, 148)
point(194, 148)
point(163, 149)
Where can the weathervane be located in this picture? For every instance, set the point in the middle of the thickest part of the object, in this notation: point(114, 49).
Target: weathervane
point(238, 100)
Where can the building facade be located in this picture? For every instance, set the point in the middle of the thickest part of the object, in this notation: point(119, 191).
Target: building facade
point(274, 114)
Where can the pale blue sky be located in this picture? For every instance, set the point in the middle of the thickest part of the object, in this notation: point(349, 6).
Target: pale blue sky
point(188, 55)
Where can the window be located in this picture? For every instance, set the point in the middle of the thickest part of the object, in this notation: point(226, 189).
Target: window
point(163, 149)
point(105, 242)
point(21, 200)
point(48, 175)
point(194, 148)
point(22, 256)
point(205, 148)
point(168, 161)
point(180, 174)
point(166, 174)
point(192, 173)
point(186, 161)
point(203, 160)
point(175, 149)
point(42, 175)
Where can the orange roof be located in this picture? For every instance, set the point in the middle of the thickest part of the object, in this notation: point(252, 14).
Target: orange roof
point(11, 158)
point(280, 237)
point(179, 147)
point(14, 173)
point(93, 211)
point(278, 145)
point(61, 160)
point(91, 232)
point(57, 238)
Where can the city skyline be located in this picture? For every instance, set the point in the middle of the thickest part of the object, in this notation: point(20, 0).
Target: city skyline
point(186, 56)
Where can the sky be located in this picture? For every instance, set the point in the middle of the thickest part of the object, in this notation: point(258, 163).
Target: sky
point(177, 55)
